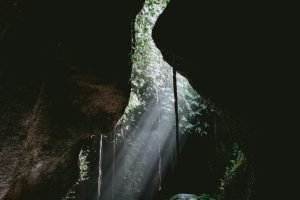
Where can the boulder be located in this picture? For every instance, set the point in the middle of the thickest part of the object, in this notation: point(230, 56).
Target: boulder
point(184, 197)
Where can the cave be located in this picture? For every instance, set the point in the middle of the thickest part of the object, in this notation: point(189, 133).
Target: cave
point(146, 100)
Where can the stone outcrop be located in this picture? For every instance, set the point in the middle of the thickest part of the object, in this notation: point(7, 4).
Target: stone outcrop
point(64, 74)
point(239, 55)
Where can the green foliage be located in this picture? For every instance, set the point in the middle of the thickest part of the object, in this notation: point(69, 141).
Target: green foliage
point(152, 79)
point(88, 169)
point(206, 197)
point(235, 164)
point(193, 109)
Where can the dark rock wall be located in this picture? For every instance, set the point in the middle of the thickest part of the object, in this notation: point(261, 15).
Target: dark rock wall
point(64, 74)
point(239, 54)
point(65, 68)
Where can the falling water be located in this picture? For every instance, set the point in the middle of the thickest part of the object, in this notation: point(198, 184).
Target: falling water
point(113, 165)
point(100, 170)
point(137, 166)
point(159, 166)
point(159, 145)
point(147, 149)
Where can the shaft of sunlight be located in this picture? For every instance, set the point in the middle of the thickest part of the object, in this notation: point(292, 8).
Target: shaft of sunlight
point(149, 144)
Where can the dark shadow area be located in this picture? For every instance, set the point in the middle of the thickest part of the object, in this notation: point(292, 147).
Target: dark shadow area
point(59, 61)
point(194, 172)
point(240, 55)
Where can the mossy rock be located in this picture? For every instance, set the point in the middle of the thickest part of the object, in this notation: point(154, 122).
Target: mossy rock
point(192, 197)
point(184, 197)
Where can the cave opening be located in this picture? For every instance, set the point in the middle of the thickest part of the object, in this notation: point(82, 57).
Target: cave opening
point(139, 159)
point(144, 146)
point(65, 69)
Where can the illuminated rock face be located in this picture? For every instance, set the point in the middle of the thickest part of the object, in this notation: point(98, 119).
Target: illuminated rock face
point(64, 74)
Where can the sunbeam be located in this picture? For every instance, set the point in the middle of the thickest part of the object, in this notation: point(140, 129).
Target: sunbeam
point(145, 146)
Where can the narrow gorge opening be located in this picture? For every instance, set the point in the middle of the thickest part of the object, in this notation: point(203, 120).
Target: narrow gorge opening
point(139, 159)
point(69, 69)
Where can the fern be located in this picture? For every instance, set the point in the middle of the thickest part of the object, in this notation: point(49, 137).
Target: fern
point(236, 163)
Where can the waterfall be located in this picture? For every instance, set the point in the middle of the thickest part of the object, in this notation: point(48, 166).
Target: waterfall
point(159, 166)
point(100, 170)
point(113, 165)
point(159, 144)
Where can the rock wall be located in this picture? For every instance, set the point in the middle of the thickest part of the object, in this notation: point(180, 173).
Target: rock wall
point(64, 74)
point(239, 55)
